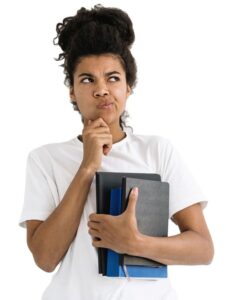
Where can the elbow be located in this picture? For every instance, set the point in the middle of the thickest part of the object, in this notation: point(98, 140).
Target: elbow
point(208, 253)
point(45, 264)
point(43, 259)
point(210, 257)
point(46, 268)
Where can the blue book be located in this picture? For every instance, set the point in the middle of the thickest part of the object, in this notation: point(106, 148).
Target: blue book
point(113, 258)
point(115, 266)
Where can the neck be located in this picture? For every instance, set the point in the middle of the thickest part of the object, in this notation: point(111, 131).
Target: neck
point(117, 137)
point(117, 133)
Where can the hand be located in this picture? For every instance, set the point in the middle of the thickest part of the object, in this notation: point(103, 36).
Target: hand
point(97, 140)
point(118, 233)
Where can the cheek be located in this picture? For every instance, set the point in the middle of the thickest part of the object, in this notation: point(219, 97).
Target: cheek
point(82, 99)
point(84, 107)
point(121, 96)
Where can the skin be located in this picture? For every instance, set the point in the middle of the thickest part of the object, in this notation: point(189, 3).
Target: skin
point(100, 79)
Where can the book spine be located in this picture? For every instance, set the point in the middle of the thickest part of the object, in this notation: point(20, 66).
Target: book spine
point(98, 192)
point(98, 205)
point(113, 257)
point(124, 201)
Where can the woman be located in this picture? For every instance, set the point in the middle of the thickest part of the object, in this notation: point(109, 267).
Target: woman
point(59, 208)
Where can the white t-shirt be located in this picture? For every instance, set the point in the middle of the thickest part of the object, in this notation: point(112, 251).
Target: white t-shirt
point(50, 170)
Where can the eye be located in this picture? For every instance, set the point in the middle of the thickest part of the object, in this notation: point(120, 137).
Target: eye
point(114, 78)
point(86, 80)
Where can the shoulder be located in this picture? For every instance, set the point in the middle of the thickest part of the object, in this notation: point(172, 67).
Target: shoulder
point(152, 142)
point(156, 150)
point(45, 153)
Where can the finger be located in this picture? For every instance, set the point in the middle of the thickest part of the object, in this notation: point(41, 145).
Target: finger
point(97, 136)
point(94, 233)
point(97, 123)
point(100, 140)
point(133, 196)
point(98, 243)
point(93, 225)
point(107, 149)
point(104, 140)
point(87, 122)
point(107, 144)
point(96, 239)
point(92, 217)
point(97, 217)
point(89, 130)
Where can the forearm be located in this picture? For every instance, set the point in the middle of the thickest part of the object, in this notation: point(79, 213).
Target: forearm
point(53, 237)
point(186, 248)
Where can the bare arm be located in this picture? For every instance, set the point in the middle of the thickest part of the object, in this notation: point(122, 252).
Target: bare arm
point(120, 233)
point(50, 240)
point(191, 247)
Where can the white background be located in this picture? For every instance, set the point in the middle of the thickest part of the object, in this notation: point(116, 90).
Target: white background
point(180, 51)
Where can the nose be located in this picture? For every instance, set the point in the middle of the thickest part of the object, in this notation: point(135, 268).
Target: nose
point(101, 90)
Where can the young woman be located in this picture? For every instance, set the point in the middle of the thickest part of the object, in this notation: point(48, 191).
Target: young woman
point(59, 209)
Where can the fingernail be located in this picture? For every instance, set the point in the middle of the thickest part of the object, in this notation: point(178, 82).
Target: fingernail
point(135, 191)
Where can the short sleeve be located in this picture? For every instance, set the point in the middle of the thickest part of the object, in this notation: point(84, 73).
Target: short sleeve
point(184, 190)
point(39, 192)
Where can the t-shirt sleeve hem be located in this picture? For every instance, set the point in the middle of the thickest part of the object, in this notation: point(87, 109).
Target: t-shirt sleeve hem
point(187, 204)
point(40, 216)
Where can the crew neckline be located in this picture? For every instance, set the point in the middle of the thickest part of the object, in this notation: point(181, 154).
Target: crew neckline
point(115, 145)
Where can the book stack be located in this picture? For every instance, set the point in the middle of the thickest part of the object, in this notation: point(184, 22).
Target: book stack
point(152, 211)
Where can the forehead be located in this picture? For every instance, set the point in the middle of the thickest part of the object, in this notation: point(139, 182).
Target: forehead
point(100, 64)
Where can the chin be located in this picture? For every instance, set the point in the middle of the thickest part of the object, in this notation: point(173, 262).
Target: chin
point(108, 118)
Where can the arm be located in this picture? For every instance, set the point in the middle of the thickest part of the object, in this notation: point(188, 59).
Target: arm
point(50, 240)
point(192, 246)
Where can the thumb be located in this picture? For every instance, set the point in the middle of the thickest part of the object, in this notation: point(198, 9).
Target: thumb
point(133, 196)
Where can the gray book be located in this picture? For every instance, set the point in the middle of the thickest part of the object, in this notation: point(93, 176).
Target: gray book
point(152, 212)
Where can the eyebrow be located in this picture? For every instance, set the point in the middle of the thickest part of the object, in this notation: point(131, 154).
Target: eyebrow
point(106, 74)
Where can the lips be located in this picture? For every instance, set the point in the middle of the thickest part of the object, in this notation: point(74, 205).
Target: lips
point(105, 105)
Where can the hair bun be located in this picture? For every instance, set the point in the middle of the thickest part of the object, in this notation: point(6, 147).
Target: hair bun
point(114, 17)
point(118, 19)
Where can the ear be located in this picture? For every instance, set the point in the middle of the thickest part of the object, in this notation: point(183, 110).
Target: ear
point(128, 91)
point(72, 94)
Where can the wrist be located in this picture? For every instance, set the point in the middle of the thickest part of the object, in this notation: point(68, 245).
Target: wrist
point(139, 245)
point(87, 171)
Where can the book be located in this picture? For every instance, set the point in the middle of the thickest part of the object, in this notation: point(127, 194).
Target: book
point(105, 181)
point(152, 214)
point(152, 217)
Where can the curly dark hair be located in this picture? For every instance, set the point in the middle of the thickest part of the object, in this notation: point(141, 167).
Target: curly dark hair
point(97, 31)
